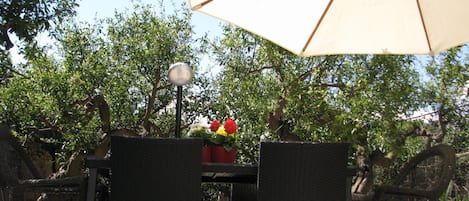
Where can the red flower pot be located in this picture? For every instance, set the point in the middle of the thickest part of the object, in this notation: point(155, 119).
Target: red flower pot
point(206, 154)
point(220, 155)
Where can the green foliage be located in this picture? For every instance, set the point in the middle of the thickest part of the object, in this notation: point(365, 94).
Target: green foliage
point(203, 132)
point(144, 45)
point(6, 67)
point(43, 100)
point(228, 142)
point(353, 98)
point(446, 89)
point(123, 60)
point(27, 18)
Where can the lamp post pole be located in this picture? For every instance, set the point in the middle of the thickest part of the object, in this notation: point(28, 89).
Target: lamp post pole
point(177, 133)
point(179, 74)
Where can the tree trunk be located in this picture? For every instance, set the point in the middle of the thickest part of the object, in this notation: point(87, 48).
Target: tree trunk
point(364, 179)
point(151, 102)
point(278, 125)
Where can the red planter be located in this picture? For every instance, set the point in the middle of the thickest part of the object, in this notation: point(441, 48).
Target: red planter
point(220, 155)
point(206, 154)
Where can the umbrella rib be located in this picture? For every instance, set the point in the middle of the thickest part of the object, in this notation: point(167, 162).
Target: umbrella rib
point(317, 26)
point(200, 5)
point(424, 27)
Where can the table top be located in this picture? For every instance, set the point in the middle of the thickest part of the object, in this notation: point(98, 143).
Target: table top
point(213, 172)
point(229, 173)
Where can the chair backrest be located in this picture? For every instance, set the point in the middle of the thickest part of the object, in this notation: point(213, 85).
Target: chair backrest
point(150, 169)
point(430, 171)
point(302, 171)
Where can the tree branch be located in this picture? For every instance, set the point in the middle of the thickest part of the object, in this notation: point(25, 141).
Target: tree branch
point(99, 102)
point(151, 101)
point(260, 69)
point(340, 86)
point(308, 73)
point(6, 37)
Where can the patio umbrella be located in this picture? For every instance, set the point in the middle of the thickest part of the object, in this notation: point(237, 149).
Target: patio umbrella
point(322, 27)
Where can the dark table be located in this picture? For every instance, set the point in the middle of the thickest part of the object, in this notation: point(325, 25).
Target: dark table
point(229, 173)
point(211, 172)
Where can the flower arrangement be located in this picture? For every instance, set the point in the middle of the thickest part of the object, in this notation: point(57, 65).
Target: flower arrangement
point(202, 131)
point(219, 140)
point(224, 134)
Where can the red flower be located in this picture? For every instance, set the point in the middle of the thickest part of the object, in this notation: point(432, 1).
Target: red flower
point(230, 126)
point(214, 125)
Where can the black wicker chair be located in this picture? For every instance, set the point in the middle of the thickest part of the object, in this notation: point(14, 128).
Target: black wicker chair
point(425, 177)
point(302, 171)
point(149, 169)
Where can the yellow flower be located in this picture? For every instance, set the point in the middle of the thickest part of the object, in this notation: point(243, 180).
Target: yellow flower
point(221, 131)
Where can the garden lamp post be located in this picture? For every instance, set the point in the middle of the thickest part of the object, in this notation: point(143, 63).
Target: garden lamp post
point(179, 74)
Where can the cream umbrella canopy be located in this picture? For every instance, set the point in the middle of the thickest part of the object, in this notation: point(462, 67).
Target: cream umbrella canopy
point(322, 27)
